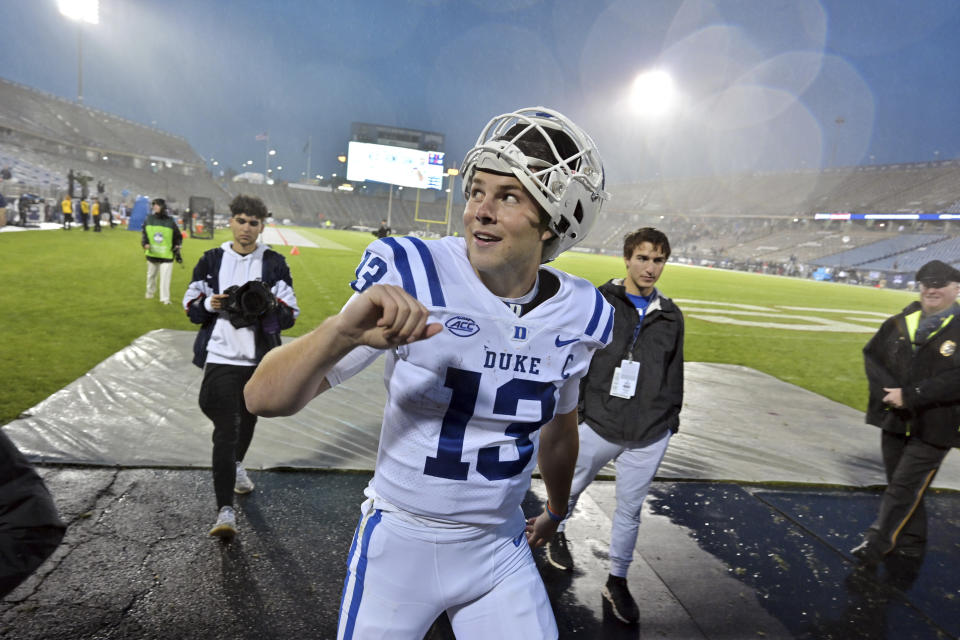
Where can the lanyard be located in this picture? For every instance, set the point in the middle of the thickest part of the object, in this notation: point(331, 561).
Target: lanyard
point(642, 312)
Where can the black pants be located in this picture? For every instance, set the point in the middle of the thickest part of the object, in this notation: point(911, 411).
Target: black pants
point(911, 465)
point(221, 400)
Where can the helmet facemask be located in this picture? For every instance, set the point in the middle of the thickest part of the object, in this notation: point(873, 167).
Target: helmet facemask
point(555, 161)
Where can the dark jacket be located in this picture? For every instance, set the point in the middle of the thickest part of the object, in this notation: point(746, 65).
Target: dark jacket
point(655, 407)
point(30, 528)
point(929, 377)
point(208, 270)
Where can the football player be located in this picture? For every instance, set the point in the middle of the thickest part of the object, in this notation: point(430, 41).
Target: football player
point(485, 347)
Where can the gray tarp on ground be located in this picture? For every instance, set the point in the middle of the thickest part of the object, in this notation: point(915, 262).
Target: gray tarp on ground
point(139, 408)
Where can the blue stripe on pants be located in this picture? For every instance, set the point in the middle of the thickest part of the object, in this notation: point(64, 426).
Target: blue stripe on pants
point(360, 571)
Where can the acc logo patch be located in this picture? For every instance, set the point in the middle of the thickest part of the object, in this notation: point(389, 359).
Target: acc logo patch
point(462, 326)
point(948, 348)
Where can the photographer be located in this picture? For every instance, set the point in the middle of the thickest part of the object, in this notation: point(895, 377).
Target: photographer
point(242, 296)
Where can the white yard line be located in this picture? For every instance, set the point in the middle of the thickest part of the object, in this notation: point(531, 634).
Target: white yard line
point(274, 236)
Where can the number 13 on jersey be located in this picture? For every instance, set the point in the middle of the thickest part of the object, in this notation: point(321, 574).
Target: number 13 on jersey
point(465, 385)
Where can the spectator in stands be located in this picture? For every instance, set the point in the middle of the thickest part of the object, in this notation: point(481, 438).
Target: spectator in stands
point(630, 404)
point(3, 211)
point(95, 214)
point(66, 208)
point(232, 341)
point(161, 241)
point(383, 231)
point(85, 213)
point(6, 174)
point(23, 206)
point(913, 369)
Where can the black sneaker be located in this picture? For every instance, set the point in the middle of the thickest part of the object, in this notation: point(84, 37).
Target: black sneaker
point(624, 607)
point(557, 552)
point(867, 552)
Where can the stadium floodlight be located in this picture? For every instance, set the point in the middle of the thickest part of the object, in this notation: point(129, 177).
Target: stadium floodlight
point(80, 11)
point(268, 153)
point(653, 93)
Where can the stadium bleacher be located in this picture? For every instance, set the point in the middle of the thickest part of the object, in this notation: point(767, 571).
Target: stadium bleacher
point(882, 249)
point(742, 221)
point(945, 250)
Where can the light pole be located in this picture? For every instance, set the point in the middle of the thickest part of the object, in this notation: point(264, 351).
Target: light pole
point(451, 175)
point(342, 159)
point(80, 11)
point(266, 162)
point(309, 149)
point(390, 204)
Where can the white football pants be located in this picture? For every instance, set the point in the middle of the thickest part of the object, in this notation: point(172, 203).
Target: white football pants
point(401, 576)
point(636, 468)
point(165, 270)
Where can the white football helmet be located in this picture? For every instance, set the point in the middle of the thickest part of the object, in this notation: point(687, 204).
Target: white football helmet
point(567, 183)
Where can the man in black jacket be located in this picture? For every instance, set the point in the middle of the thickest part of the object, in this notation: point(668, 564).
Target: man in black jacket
point(630, 403)
point(913, 369)
point(242, 296)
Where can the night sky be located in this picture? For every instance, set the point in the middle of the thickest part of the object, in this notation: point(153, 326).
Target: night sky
point(761, 85)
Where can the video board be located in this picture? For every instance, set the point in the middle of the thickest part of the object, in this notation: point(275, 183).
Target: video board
point(395, 165)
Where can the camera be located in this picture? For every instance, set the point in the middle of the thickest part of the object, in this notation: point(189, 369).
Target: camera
point(247, 303)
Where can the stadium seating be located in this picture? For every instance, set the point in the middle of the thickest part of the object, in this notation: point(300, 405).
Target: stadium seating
point(877, 251)
point(741, 220)
point(909, 261)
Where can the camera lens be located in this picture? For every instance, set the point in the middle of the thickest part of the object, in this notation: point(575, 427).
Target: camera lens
point(253, 302)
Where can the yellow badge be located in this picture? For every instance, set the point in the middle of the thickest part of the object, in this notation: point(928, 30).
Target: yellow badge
point(948, 347)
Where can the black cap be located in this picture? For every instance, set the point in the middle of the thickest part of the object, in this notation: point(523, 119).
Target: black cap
point(936, 274)
point(160, 201)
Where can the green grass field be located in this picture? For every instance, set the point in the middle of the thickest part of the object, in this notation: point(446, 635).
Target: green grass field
point(71, 299)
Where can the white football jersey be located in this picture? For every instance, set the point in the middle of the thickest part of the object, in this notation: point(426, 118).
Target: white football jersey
point(464, 408)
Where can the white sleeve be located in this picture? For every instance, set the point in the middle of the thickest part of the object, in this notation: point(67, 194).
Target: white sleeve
point(196, 289)
point(569, 395)
point(354, 362)
point(285, 294)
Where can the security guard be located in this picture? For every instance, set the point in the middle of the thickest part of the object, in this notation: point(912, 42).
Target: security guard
point(161, 241)
point(913, 369)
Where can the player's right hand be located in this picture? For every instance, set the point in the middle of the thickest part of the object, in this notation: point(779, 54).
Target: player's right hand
point(385, 316)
